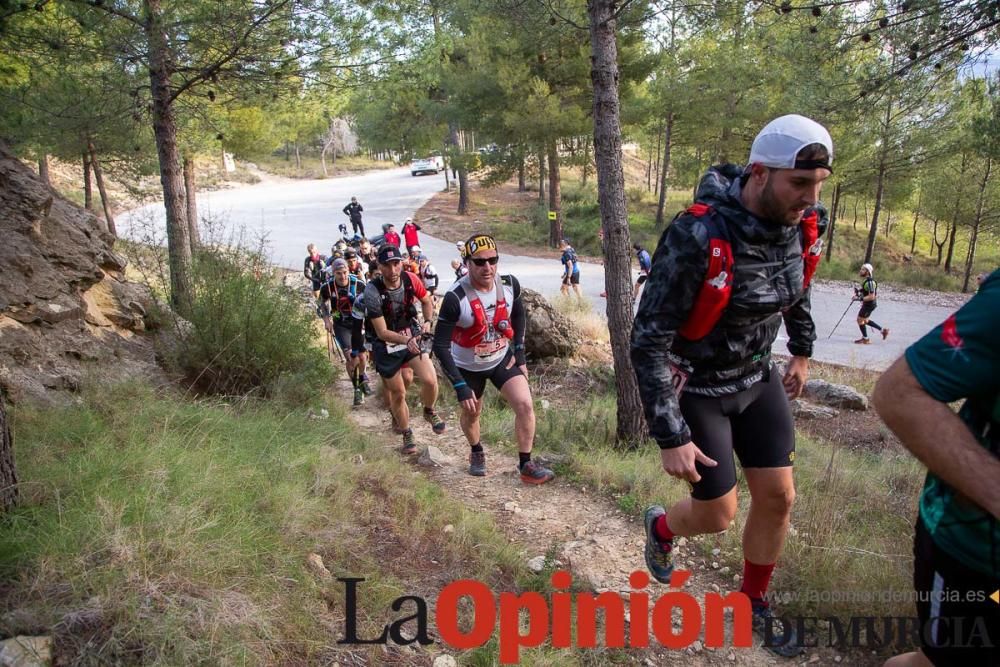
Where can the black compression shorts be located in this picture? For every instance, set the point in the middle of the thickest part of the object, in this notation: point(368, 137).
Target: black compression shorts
point(348, 333)
point(755, 424)
point(498, 375)
point(958, 597)
point(867, 308)
point(573, 278)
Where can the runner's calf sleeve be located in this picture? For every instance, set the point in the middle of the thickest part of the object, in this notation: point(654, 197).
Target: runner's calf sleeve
point(864, 330)
point(873, 325)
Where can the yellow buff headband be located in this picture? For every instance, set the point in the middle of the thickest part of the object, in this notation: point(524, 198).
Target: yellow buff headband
point(477, 243)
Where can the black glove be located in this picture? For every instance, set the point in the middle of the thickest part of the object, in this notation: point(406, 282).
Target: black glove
point(464, 392)
point(520, 358)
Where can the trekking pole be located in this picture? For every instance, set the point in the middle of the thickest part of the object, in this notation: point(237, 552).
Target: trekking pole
point(841, 318)
point(340, 350)
point(329, 344)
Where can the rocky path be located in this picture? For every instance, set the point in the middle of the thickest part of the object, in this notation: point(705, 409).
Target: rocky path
point(582, 532)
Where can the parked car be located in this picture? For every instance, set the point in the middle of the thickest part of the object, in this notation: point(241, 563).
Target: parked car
point(427, 165)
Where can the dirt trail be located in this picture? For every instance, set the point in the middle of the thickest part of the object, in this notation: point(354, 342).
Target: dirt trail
point(586, 534)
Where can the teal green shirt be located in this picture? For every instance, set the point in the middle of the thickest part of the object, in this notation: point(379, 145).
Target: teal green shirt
point(960, 359)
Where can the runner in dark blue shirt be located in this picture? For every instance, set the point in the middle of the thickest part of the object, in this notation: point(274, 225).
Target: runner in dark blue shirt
point(645, 265)
point(571, 270)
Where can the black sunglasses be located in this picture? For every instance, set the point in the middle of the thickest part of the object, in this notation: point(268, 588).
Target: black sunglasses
point(483, 261)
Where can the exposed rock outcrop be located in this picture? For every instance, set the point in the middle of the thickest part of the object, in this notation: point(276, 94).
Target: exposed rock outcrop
point(549, 333)
point(66, 310)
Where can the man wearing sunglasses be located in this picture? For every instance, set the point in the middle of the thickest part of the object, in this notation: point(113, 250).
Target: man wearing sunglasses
point(479, 337)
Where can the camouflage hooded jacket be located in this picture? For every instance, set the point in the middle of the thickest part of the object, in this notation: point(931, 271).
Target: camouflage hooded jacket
point(736, 353)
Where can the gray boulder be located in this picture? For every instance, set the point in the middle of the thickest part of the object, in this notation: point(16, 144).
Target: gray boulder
point(805, 410)
point(835, 395)
point(549, 333)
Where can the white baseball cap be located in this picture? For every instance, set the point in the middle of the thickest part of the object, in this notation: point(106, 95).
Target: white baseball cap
point(779, 143)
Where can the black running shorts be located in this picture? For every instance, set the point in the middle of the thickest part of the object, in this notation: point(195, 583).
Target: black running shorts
point(755, 424)
point(349, 336)
point(498, 375)
point(571, 279)
point(642, 278)
point(867, 308)
point(387, 364)
point(959, 623)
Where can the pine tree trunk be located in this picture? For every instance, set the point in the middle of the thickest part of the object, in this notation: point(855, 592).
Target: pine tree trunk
point(43, 169)
point(873, 229)
point(191, 198)
point(913, 237)
point(833, 222)
point(649, 170)
point(88, 190)
point(631, 427)
point(165, 132)
point(949, 256)
point(541, 177)
point(586, 159)
point(952, 228)
point(555, 196)
point(105, 201)
point(657, 181)
point(667, 141)
point(8, 471)
point(880, 182)
point(971, 258)
point(521, 185)
point(322, 159)
point(463, 172)
point(298, 158)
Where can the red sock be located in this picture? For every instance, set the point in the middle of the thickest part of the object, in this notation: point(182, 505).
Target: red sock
point(756, 579)
point(662, 530)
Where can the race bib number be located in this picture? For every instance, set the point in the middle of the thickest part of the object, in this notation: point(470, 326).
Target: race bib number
point(393, 349)
point(491, 350)
point(680, 371)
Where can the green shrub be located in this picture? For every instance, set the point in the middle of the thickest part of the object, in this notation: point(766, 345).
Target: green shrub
point(248, 334)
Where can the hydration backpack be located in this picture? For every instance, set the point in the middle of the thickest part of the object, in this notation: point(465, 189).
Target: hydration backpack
point(713, 296)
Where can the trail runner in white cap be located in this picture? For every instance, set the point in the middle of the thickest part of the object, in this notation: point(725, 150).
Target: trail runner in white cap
point(725, 274)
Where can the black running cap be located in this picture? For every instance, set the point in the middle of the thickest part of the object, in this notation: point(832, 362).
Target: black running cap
point(389, 253)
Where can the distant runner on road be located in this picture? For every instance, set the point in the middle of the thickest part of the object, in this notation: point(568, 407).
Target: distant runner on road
point(956, 546)
point(353, 211)
point(867, 294)
point(645, 265)
point(479, 338)
point(571, 269)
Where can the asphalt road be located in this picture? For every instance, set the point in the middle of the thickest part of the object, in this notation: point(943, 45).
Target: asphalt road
point(294, 213)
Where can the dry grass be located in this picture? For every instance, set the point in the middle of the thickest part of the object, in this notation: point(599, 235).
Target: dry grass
point(161, 530)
